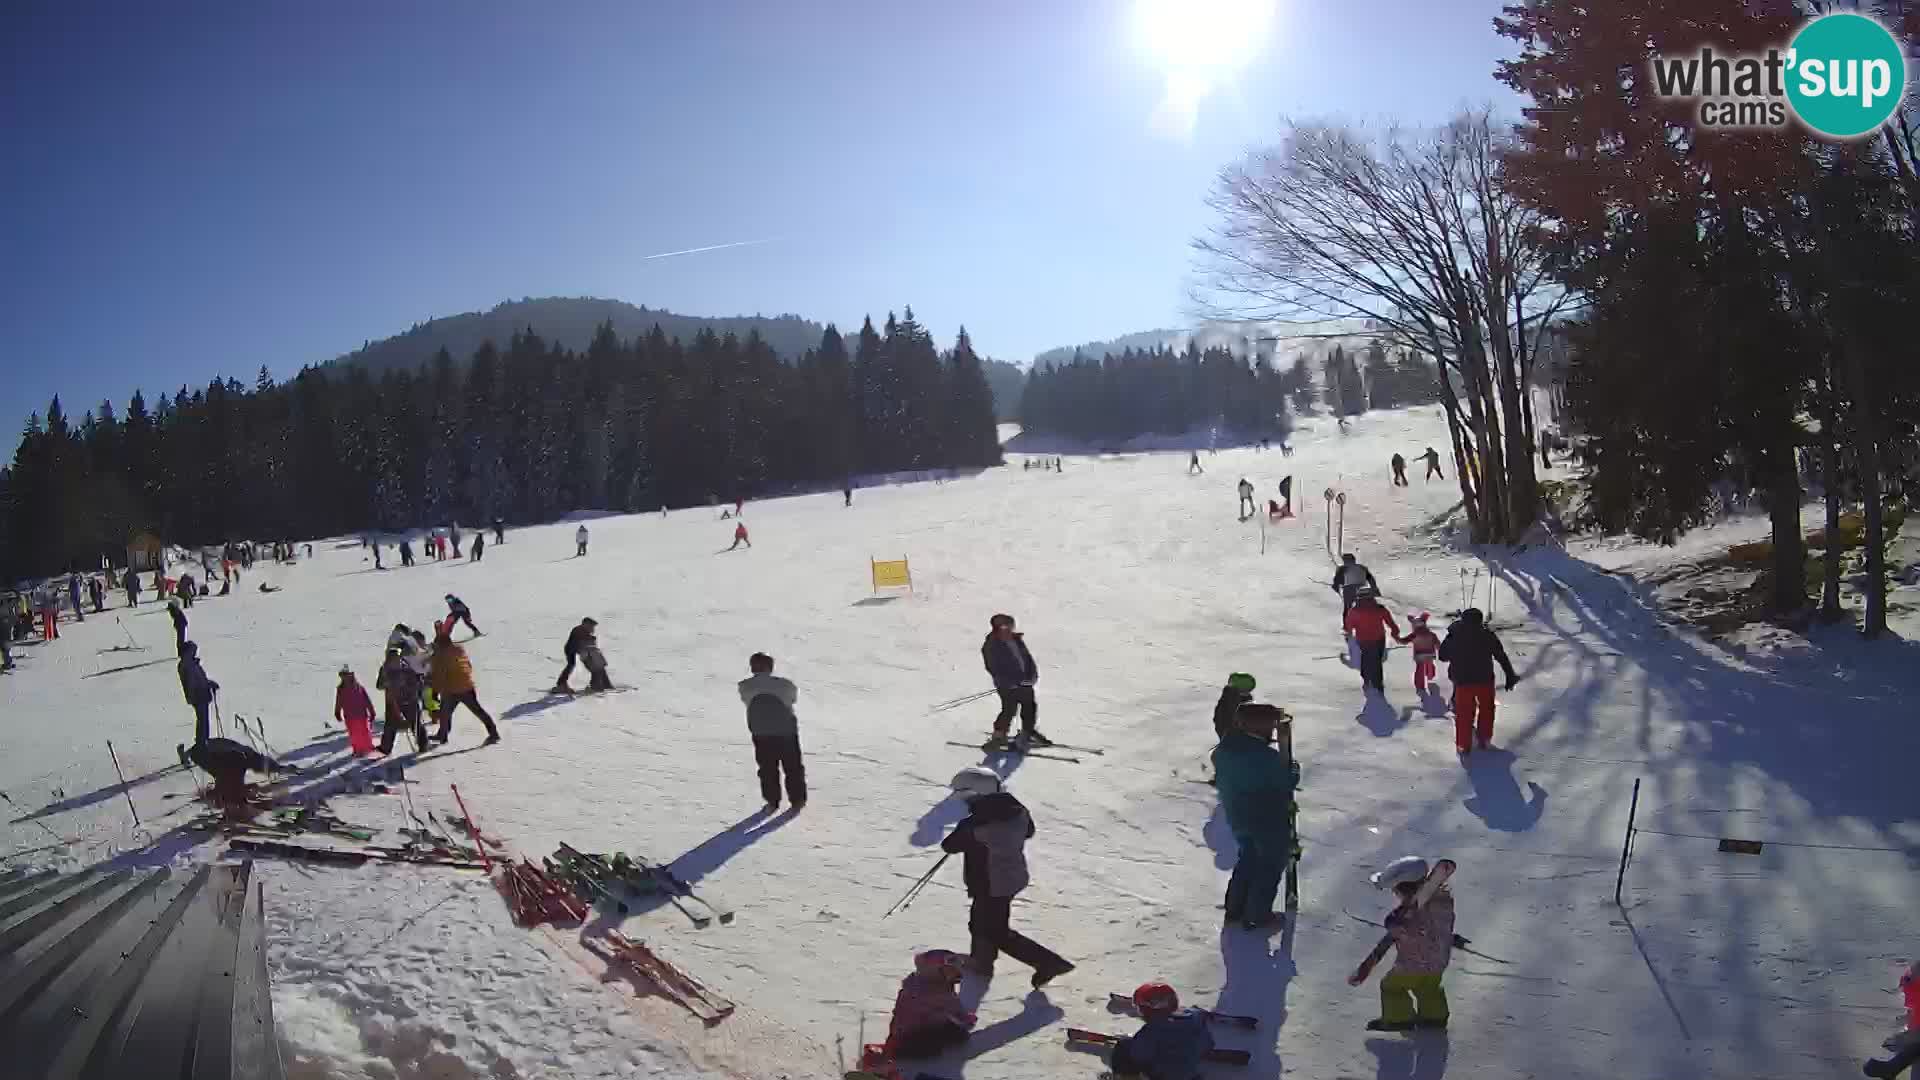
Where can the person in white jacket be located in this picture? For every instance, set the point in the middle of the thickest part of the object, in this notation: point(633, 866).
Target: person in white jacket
point(775, 731)
point(580, 541)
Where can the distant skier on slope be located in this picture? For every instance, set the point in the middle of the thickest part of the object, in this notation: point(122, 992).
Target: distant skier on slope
point(1399, 464)
point(499, 531)
point(1010, 662)
point(1256, 785)
point(1367, 622)
point(1470, 651)
point(992, 841)
point(1247, 507)
point(1432, 458)
point(571, 651)
point(458, 612)
point(1193, 464)
point(479, 544)
point(579, 541)
point(406, 553)
point(1348, 579)
point(740, 536)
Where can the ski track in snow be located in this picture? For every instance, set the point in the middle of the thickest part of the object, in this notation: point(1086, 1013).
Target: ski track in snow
point(1139, 591)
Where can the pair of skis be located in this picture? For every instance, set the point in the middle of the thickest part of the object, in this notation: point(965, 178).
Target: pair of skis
point(672, 981)
point(599, 874)
point(1436, 877)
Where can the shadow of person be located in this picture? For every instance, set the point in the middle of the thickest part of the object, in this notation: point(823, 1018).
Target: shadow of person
point(1432, 701)
point(1377, 716)
point(1036, 1012)
point(712, 853)
point(1496, 797)
point(933, 825)
point(537, 705)
point(1421, 1057)
point(1219, 837)
point(1257, 977)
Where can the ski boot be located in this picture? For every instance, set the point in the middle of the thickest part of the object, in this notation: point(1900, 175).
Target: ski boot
point(1001, 741)
point(1034, 738)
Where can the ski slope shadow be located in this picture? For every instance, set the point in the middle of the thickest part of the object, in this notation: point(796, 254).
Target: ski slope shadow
point(1257, 977)
point(111, 791)
point(1036, 1013)
point(1496, 797)
point(712, 853)
point(1419, 1057)
point(933, 825)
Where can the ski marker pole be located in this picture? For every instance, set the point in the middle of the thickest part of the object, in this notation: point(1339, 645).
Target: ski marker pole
point(915, 889)
point(123, 782)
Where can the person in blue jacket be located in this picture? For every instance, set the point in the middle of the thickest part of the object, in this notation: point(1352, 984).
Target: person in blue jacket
point(1256, 785)
point(1170, 1045)
point(1014, 674)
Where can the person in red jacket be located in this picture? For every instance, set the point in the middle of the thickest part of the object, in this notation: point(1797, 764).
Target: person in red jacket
point(353, 708)
point(740, 536)
point(1368, 622)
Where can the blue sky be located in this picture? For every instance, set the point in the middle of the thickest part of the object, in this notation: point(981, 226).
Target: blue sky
point(200, 189)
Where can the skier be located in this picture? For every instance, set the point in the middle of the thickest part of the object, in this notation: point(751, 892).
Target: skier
point(1014, 674)
point(132, 581)
point(1237, 692)
point(185, 590)
point(1426, 647)
point(580, 541)
point(1432, 458)
point(458, 612)
point(406, 553)
point(928, 1016)
point(1171, 1043)
point(595, 663)
point(1193, 464)
point(197, 688)
point(1399, 470)
point(354, 709)
point(846, 493)
point(439, 545)
point(1411, 995)
point(73, 595)
point(451, 675)
point(376, 558)
point(97, 591)
point(179, 618)
point(454, 538)
point(1904, 1046)
point(400, 683)
point(479, 545)
point(1256, 785)
point(571, 650)
point(499, 531)
point(775, 731)
point(1286, 496)
point(740, 536)
point(991, 841)
point(1367, 622)
point(1348, 579)
point(49, 613)
point(1470, 652)
point(1247, 507)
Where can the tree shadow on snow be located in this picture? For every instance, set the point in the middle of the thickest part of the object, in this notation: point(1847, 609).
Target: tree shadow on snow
point(940, 817)
point(1420, 1057)
point(1379, 717)
point(1257, 976)
point(1496, 794)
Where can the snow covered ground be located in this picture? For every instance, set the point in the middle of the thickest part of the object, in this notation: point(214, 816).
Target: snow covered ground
point(1139, 591)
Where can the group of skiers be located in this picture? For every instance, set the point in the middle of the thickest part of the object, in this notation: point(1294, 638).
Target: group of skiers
point(1277, 510)
point(1399, 465)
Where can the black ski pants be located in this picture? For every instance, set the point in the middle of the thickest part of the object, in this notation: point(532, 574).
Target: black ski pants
point(472, 701)
point(776, 754)
point(463, 617)
point(987, 922)
point(201, 731)
point(405, 717)
point(1373, 658)
point(566, 672)
point(1018, 698)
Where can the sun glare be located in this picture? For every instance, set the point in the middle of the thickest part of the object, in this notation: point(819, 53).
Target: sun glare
point(1197, 45)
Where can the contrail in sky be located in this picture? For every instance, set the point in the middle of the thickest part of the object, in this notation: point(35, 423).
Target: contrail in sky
point(709, 247)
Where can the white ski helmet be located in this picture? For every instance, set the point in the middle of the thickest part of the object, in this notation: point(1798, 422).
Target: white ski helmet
point(1404, 868)
point(974, 781)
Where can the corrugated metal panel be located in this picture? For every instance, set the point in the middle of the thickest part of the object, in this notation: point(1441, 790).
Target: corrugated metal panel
point(117, 974)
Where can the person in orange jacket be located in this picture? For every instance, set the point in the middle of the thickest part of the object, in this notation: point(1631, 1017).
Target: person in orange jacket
point(1368, 622)
point(354, 709)
point(1426, 649)
point(451, 675)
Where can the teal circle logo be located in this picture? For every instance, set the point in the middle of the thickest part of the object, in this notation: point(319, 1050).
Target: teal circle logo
point(1847, 74)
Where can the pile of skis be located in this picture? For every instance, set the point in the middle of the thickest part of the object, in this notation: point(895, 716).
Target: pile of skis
point(534, 897)
point(618, 949)
point(619, 877)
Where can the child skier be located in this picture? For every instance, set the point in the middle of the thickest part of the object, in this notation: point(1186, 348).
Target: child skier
point(354, 709)
point(1426, 649)
point(457, 613)
point(1422, 936)
point(740, 536)
point(992, 841)
point(1169, 1046)
point(928, 1015)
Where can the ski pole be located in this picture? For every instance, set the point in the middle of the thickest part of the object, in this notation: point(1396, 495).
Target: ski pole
point(914, 890)
point(473, 829)
point(123, 782)
point(131, 644)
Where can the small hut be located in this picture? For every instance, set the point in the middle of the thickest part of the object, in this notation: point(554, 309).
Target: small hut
point(146, 552)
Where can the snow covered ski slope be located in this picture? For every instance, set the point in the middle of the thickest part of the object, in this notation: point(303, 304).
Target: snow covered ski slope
point(1139, 591)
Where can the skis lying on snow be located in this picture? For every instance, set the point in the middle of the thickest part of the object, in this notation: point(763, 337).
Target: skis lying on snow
point(344, 856)
point(674, 983)
point(1096, 1038)
point(1059, 746)
point(534, 897)
point(615, 877)
point(1014, 749)
point(1123, 1001)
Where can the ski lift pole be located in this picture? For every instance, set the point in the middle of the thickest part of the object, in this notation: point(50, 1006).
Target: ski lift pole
point(914, 890)
point(1328, 494)
point(1341, 534)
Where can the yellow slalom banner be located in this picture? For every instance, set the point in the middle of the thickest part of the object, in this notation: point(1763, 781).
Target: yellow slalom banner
point(891, 574)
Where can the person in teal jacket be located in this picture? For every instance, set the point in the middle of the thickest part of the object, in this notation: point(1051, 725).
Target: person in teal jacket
point(1256, 785)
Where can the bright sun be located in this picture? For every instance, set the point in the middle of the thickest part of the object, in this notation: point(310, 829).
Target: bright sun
point(1201, 38)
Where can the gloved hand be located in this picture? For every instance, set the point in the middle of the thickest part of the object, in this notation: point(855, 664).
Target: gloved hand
point(1513, 681)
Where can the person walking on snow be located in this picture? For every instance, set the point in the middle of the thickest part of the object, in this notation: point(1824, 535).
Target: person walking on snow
point(740, 536)
point(97, 592)
point(1193, 464)
point(499, 531)
point(454, 537)
point(571, 650)
point(1256, 783)
point(1171, 1043)
point(1426, 647)
point(1411, 995)
point(1432, 458)
point(1349, 578)
point(1470, 651)
point(1367, 622)
point(132, 581)
point(991, 841)
point(580, 542)
point(1247, 506)
point(179, 618)
point(1399, 464)
point(479, 544)
point(406, 553)
point(354, 709)
point(775, 731)
point(451, 675)
point(197, 688)
point(1009, 661)
point(73, 594)
point(458, 612)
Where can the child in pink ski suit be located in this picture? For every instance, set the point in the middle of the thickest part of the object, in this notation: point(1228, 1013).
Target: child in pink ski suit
point(1426, 649)
point(353, 708)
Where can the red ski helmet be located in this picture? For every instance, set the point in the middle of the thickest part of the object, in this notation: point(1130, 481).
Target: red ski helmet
point(1155, 997)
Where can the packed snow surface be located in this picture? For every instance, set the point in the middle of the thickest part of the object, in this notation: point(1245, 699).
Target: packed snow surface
point(1139, 590)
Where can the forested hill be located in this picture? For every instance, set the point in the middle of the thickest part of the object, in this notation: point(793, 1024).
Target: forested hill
point(569, 321)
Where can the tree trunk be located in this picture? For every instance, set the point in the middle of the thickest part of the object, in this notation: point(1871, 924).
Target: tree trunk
point(1789, 547)
point(1469, 498)
point(1866, 447)
point(1830, 485)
